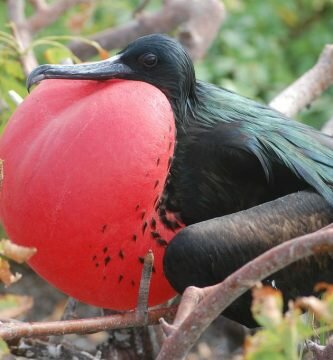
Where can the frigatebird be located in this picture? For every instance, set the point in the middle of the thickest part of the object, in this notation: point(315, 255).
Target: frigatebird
point(232, 154)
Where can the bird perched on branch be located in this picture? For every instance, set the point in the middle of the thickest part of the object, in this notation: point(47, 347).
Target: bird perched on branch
point(232, 153)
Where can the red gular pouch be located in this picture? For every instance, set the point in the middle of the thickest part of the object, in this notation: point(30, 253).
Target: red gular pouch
point(85, 164)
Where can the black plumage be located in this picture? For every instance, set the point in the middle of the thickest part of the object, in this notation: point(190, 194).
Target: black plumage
point(205, 253)
point(232, 154)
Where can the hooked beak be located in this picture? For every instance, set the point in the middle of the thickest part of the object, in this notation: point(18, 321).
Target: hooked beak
point(111, 68)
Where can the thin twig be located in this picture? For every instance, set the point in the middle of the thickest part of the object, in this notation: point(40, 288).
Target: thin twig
point(308, 87)
point(139, 318)
point(142, 306)
point(15, 97)
point(15, 9)
point(47, 15)
point(14, 330)
point(21, 33)
point(218, 297)
point(23, 28)
point(321, 352)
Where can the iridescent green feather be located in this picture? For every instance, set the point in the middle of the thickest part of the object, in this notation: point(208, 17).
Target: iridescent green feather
point(273, 137)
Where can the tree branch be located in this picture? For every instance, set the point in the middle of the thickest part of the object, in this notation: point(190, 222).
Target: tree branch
point(16, 330)
point(15, 10)
point(198, 33)
point(48, 14)
point(139, 318)
point(38, 4)
point(24, 28)
point(218, 297)
point(206, 15)
point(308, 87)
point(21, 33)
point(321, 352)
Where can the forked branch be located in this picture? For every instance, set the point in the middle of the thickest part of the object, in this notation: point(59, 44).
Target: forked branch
point(211, 301)
point(308, 87)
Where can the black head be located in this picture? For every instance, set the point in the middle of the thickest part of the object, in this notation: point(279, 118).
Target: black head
point(156, 59)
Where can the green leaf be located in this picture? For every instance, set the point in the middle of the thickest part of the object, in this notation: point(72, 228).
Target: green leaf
point(55, 55)
point(4, 349)
point(14, 68)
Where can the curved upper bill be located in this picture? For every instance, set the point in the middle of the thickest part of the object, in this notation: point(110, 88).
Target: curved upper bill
point(101, 70)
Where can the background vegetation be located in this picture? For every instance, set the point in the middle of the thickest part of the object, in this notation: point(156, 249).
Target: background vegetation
point(260, 49)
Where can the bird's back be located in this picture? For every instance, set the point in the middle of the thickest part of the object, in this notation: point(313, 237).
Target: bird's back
point(234, 153)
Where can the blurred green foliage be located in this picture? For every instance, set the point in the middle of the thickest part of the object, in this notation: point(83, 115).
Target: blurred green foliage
point(265, 45)
point(261, 47)
point(11, 75)
point(282, 335)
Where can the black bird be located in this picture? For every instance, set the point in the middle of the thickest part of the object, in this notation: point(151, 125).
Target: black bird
point(232, 154)
point(206, 253)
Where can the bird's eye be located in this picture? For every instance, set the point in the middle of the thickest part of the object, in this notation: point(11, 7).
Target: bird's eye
point(149, 60)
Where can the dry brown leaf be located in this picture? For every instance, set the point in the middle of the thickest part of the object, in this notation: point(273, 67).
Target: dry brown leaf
point(78, 20)
point(5, 274)
point(267, 305)
point(103, 54)
point(13, 306)
point(320, 309)
point(19, 254)
point(323, 286)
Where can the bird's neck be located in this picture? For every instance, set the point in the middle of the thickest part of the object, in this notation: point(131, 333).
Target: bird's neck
point(184, 106)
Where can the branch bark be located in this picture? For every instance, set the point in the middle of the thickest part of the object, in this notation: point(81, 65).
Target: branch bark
point(198, 33)
point(321, 352)
point(48, 14)
point(23, 28)
point(200, 22)
point(308, 87)
point(22, 35)
point(38, 4)
point(16, 330)
point(218, 297)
